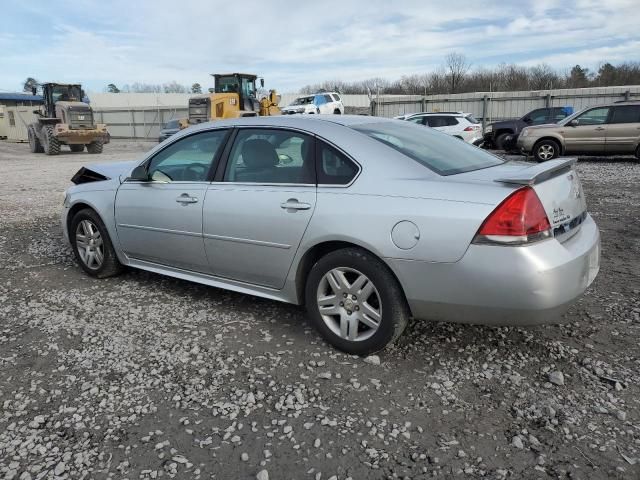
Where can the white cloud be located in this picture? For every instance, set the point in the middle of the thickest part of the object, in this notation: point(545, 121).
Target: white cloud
point(295, 43)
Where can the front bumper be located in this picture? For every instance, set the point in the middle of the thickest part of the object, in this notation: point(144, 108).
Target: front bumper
point(525, 144)
point(501, 285)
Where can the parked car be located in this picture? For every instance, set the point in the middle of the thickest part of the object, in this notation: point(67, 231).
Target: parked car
point(503, 135)
point(457, 124)
point(325, 102)
point(366, 221)
point(170, 128)
point(612, 129)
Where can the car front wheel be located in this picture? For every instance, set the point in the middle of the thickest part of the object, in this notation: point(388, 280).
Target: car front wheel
point(546, 150)
point(92, 246)
point(355, 301)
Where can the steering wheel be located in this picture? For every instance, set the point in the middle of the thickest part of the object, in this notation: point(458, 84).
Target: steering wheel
point(194, 171)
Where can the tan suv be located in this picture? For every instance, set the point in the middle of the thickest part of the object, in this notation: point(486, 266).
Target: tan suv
point(612, 129)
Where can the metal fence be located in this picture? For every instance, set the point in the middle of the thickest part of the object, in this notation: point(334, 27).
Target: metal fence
point(488, 107)
point(138, 122)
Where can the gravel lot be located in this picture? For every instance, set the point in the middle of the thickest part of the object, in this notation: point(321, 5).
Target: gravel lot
point(144, 376)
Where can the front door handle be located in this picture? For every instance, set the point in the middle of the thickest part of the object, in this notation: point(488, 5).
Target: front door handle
point(293, 204)
point(186, 198)
point(599, 129)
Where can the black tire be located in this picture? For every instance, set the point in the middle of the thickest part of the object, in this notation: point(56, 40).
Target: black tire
point(76, 148)
point(337, 112)
point(638, 153)
point(110, 265)
point(500, 139)
point(51, 144)
point(95, 147)
point(393, 308)
point(34, 142)
point(546, 150)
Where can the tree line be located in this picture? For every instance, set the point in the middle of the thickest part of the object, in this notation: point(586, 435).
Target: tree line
point(457, 76)
point(137, 87)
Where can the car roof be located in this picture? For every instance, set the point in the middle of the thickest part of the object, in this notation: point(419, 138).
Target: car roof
point(454, 114)
point(296, 120)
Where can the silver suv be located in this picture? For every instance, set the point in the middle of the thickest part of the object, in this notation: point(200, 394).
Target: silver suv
point(612, 129)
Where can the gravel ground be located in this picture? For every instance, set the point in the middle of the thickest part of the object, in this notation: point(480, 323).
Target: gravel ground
point(144, 376)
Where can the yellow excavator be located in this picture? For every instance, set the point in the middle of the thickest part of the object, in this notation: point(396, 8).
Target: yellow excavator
point(234, 95)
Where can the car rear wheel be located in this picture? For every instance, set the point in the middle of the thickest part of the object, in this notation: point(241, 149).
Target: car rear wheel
point(546, 150)
point(92, 246)
point(355, 301)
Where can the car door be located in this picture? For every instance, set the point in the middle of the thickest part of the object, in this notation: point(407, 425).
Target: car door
point(160, 220)
point(623, 130)
point(587, 132)
point(256, 213)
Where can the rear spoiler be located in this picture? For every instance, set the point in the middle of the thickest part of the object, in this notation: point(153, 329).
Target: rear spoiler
point(539, 173)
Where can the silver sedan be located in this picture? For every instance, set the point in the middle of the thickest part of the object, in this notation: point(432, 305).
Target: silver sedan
point(366, 221)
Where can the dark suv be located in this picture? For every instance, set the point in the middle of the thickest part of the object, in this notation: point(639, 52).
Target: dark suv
point(171, 127)
point(503, 135)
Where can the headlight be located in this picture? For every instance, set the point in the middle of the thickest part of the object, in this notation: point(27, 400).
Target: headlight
point(488, 129)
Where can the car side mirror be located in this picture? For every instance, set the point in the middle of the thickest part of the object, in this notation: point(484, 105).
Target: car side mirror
point(573, 123)
point(139, 174)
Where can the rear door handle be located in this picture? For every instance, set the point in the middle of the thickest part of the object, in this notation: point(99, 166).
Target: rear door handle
point(186, 198)
point(599, 128)
point(293, 204)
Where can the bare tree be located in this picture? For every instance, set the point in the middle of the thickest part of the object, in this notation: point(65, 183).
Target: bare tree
point(457, 67)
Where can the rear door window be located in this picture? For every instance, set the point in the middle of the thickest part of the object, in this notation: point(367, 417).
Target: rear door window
point(451, 121)
point(626, 114)
point(332, 166)
point(538, 117)
point(328, 98)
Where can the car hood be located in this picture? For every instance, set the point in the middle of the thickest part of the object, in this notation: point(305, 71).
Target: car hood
point(104, 171)
point(543, 126)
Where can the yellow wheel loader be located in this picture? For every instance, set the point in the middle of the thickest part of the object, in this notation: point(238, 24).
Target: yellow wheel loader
point(234, 95)
point(64, 119)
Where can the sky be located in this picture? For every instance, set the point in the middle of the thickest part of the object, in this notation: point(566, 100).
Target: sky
point(296, 43)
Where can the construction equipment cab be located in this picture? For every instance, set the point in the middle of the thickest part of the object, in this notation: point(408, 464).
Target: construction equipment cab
point(234, 95)
point(64, 119)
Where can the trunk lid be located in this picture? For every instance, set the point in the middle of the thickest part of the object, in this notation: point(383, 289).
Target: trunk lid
point(555, 182)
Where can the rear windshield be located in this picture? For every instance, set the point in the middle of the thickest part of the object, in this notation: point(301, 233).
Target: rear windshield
point(435, 150)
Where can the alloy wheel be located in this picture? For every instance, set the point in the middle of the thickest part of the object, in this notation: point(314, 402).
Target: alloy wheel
point(546, 152)
point(349, 304)
point(89, 244)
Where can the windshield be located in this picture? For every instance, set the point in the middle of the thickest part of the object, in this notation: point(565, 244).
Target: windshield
point(66, 93)
point(435, 150)
point(227, 85)
point(303, 101)
point(566, 120)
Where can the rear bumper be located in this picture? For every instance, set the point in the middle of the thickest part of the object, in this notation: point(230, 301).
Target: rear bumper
point(496, 285)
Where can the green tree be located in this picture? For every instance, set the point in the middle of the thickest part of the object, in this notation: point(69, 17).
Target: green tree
point(196, 88)
point(579, 77)
point(111, 88)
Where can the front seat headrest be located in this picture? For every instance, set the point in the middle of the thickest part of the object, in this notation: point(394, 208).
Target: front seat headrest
point(259, 153)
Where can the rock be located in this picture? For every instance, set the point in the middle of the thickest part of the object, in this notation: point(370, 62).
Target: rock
point(372, 359)
point(317, 443)
point(622, 416)
point(60, 468)
point(557, 378)
point(517, 442)
point(244, 456)
point(324, 375)
point(262, 475)
point(287, 429)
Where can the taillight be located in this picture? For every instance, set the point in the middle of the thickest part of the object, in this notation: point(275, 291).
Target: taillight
point(519, 219)
point(472, 128)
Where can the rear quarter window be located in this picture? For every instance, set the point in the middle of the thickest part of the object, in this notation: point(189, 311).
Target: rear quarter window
point(435, 150)
point(332, 166)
